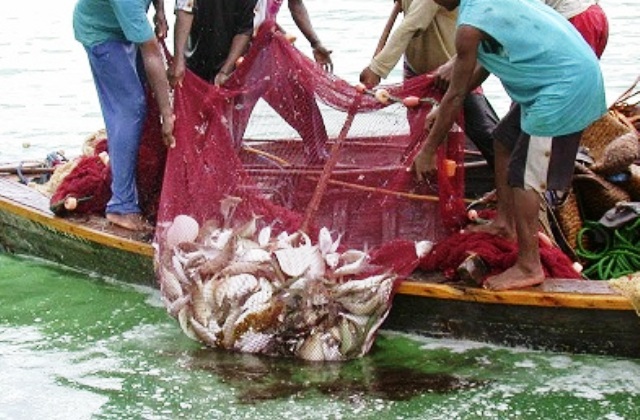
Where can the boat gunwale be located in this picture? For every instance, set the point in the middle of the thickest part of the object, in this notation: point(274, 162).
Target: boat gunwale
point(72, 228)
point(522, 297)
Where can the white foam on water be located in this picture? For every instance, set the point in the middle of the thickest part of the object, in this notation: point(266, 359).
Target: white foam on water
point(595, 381)
point(29, 380)
point(576, 380)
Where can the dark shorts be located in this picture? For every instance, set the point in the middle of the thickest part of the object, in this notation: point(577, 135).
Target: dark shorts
point(537, 163)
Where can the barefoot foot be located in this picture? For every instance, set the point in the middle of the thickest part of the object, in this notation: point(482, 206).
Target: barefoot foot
point(130, 221)
point(515, 278)
point(492, 228)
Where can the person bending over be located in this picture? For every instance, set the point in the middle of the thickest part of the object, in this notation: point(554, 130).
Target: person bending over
point(555, 82)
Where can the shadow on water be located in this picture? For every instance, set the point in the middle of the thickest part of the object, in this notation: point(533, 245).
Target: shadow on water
point(261, 378)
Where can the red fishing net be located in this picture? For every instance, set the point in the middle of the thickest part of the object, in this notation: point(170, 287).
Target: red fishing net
point(344, 167)
point(282, 185)
point(86, 188)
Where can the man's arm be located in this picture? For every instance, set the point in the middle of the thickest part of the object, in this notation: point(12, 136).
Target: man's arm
point(417, 18)
point(160, 19)
point(184, 20)
point(466, 73)
point(157, 77)
point(239, 45)
point(300, 16)
point(243, 31)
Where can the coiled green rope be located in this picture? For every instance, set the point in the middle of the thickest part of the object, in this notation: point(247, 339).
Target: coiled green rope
point(618, 255)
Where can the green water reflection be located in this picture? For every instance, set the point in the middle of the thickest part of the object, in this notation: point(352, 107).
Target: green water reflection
point(72, 347)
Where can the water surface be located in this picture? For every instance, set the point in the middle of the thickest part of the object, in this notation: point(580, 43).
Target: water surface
point(75, 347)
point(48, 100)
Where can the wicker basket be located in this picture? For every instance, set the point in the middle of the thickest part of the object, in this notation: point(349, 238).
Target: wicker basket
point(595, 194)
point(612, 144)
point(569, 218)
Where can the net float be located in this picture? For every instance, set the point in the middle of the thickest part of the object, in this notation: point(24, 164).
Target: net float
point(104, 157)
point(411, 101)
point(450, 167)
point(382, 95)
point(70, 203)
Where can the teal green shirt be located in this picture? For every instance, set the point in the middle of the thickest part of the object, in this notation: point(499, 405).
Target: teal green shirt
point(98, 21)
point(542, 61)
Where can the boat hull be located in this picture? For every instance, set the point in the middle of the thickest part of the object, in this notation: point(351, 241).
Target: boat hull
point(572, 316)
point(27, 227)
point(560, 329)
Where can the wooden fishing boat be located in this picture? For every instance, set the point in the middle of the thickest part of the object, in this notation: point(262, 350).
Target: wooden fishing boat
point(561, 315)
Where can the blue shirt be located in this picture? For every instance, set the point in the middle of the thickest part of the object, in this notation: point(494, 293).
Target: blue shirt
point(542, 61)
point(98, 21)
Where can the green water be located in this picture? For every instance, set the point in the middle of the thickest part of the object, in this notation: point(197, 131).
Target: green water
point(73, 347)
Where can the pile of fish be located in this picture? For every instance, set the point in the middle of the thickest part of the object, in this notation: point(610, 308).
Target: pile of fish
point(244, 289)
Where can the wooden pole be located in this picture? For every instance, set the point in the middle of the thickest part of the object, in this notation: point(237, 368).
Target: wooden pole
point(28, 170)
point(397, 7)
point(314, 204)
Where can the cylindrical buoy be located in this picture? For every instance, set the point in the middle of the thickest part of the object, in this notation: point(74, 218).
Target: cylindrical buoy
point(411, 101)
point(450, 167)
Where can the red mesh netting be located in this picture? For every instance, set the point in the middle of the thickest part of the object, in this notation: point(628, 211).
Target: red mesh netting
point(369, 196)
point(497, 253)
point(282, 185)
point(88, 184)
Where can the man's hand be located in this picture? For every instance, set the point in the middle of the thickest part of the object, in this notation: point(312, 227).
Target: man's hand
point(161, 25)
point(443, 75)
point(176, 71)
point(323, 57)
point(430, 119)
point(424, 165)
point(167, 131)
point(221, 78)
point(369, 78)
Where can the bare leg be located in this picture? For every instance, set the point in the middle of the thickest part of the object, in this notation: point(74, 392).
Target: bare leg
point(503, 224)
point(527, 270)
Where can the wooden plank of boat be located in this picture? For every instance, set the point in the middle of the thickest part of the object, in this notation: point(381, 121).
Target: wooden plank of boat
point(90, 244)
point(561, 315)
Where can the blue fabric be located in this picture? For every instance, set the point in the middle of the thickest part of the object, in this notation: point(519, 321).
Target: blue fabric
point(97, 21)
point(542, 61)
point(118, 77)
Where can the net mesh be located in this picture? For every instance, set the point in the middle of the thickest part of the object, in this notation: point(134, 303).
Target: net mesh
point(281, 187)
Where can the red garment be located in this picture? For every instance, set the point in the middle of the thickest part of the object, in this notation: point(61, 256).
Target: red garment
point(594, 27)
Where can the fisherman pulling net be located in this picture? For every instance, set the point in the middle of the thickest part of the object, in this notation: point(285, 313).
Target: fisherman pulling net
point(282, 186)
